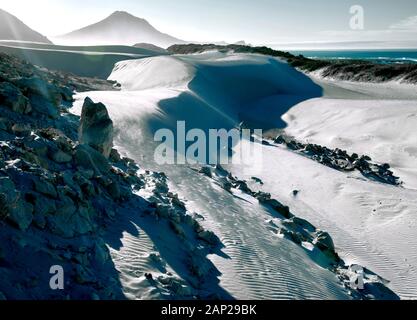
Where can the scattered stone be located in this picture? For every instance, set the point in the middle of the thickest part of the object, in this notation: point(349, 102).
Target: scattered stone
point(206, 171)
point(149, 276)
point(304, 224)
point(325, 243)
point(115, 156)
point(21, 129)
point(340, 160)
point(257, 180)
point(12, 97)
point(67, 94)
point(209, 237)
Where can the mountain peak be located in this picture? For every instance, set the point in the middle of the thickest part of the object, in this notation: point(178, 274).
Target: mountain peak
point(11, 28)
point(124, 15)
point(120, 28)
point(121, 14)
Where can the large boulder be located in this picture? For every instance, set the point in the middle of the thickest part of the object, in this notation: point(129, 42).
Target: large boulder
point(12, 97)
point(90, 159)
point(325, 243)
point(96, 127)
point(69, 220)
point(37, 86)
point(45, 97)
point(12, 206)
point(45, 187)
point(44, 107)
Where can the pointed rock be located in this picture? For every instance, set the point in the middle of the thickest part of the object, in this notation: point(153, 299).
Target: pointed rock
point(96, 127)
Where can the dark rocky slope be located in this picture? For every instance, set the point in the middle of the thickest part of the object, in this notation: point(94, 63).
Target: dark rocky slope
point(62, 186)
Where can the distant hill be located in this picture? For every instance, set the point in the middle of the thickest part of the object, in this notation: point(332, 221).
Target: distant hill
point(348, 70)
point(120, 28)
point(11, 28)
point(94, 61)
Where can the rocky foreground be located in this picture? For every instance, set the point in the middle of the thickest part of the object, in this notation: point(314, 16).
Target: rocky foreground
point(62, 184)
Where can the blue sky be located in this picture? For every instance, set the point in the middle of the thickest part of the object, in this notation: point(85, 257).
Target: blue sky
point(260, 21)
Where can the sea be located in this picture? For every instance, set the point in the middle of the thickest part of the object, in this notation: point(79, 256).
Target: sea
point(383, 57)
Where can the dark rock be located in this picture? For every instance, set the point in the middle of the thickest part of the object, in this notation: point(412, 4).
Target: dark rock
point(3, 206)
point(66, 94)
point(12, 97)
point(304, 224)
point(149, 276)
point(115, 156)
point(209, 237)
point(114, 190)
point(324, 242)
point(37, 86)
point(44, 107)
point(91, 159)
point(4, 124)
point(21, 129)
point(257, 180)
point(96, 127)
point(206, 171)
point(13, 206)
point(45, 187)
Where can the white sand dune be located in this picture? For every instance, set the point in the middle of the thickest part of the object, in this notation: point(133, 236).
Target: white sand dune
point(380, 121)
point(382, 129)
point(372, 224)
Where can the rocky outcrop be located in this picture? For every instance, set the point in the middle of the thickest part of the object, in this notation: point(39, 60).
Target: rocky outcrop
point(340, 160)
point(96, 128)
point(55, 193)
point(59, 195)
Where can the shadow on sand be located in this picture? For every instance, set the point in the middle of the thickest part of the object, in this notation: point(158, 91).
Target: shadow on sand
point(173, 249)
